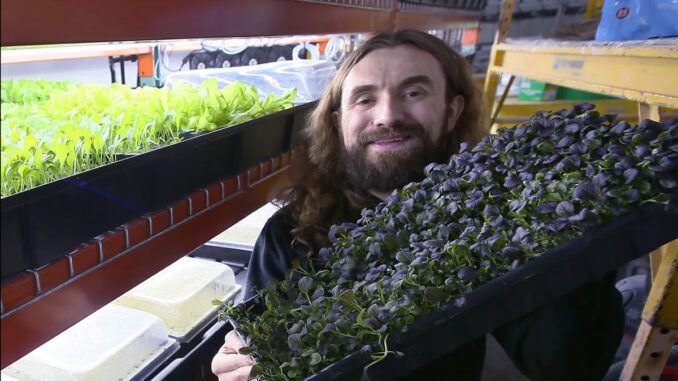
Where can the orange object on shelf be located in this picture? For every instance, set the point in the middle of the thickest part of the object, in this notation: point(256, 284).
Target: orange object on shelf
point(470, 36)
point(145, 65)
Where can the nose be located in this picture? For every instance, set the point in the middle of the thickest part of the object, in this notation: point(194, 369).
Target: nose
point(388, 112)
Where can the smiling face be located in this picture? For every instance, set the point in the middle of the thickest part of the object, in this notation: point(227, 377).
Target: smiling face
point(394, 114)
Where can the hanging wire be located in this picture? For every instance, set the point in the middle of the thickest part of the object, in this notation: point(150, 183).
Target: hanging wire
point(161, 64)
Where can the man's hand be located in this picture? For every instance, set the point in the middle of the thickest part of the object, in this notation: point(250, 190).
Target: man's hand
point(228, 365)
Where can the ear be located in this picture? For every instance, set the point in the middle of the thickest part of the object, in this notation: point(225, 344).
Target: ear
point(455, 109)
point(336, 120)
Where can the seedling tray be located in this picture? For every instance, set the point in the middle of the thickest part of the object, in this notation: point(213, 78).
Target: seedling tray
point(154, 362)
point(553, 274)
point(192, 363)
point(43, 224)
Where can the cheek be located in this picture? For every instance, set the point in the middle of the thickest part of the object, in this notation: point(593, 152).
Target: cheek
point(352, 124)
point(434, 119)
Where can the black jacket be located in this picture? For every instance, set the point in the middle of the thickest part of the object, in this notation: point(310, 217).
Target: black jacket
point(573, 338)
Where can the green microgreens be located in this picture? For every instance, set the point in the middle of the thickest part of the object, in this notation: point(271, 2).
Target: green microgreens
point(51, 130)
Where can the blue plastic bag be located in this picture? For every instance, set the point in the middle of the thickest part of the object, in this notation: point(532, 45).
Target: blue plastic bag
point(638, 20)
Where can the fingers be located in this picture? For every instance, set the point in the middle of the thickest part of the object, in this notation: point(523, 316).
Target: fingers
point(233, 341)
point(240, 374)
point(227, 360)
point(222, 362)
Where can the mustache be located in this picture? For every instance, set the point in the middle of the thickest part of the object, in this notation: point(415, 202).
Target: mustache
point(395, 132)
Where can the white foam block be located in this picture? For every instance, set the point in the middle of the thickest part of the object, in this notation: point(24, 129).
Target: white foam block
point(247, 230)
point(111, 344)
point(182, 293)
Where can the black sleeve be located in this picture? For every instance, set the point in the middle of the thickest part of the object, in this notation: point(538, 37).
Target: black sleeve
point(572, 338)
point(272, 254)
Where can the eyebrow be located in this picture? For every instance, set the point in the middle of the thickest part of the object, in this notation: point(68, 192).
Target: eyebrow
point(358, 90)
point(416, 80)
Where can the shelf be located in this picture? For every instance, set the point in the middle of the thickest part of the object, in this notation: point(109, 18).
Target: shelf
point(521, 111)
point(640, 72)
point(95, 21)
point(514, 111)
point(17, 56)
point(97, 273)
point(71, 52)
point(42, 224)
point(176, 19)
point(411, 15)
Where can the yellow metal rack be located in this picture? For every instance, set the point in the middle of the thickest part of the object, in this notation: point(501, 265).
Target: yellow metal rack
point(637, 72)
point(645, 72)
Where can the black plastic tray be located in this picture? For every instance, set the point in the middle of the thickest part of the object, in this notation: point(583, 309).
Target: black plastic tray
point(556, 273)
point(198, 356)
point(43, 224)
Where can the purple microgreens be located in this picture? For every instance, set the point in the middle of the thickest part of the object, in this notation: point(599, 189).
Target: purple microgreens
point(495, 206)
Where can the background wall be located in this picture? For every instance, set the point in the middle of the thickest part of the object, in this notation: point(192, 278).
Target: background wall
point(532, 18)
point(90, 70)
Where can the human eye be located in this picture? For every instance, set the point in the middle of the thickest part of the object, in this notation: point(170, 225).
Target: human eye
point(364, 100)
point(414, 93)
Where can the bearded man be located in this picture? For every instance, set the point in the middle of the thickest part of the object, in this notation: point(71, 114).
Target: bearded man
point(401, 101)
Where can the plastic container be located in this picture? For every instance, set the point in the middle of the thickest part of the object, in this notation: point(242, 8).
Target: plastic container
point(182, 294)
point(243, 235)
point(114, 343)
point(309, 77)
point(536, 91)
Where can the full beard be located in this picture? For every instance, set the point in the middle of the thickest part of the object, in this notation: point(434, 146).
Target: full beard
point(391, 169)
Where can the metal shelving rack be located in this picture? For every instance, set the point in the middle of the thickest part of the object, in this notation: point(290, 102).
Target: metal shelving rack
point(86, 21)
point(41, 303)
point(644, 72)
point(631, 72)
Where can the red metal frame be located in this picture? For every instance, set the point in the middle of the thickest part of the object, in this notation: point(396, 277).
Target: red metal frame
point(34, 317)
point(36, 22)
point(444, 19)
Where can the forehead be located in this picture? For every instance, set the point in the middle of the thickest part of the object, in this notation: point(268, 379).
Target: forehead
point(388, 66)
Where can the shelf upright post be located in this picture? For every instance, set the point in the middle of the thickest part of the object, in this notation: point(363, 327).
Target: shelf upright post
point(659, 325)
point(648, 111)
point(492, 78)
point(593, 10)
point(651, 111)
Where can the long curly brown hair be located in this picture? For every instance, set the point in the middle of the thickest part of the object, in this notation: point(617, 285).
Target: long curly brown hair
point(317, 195)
